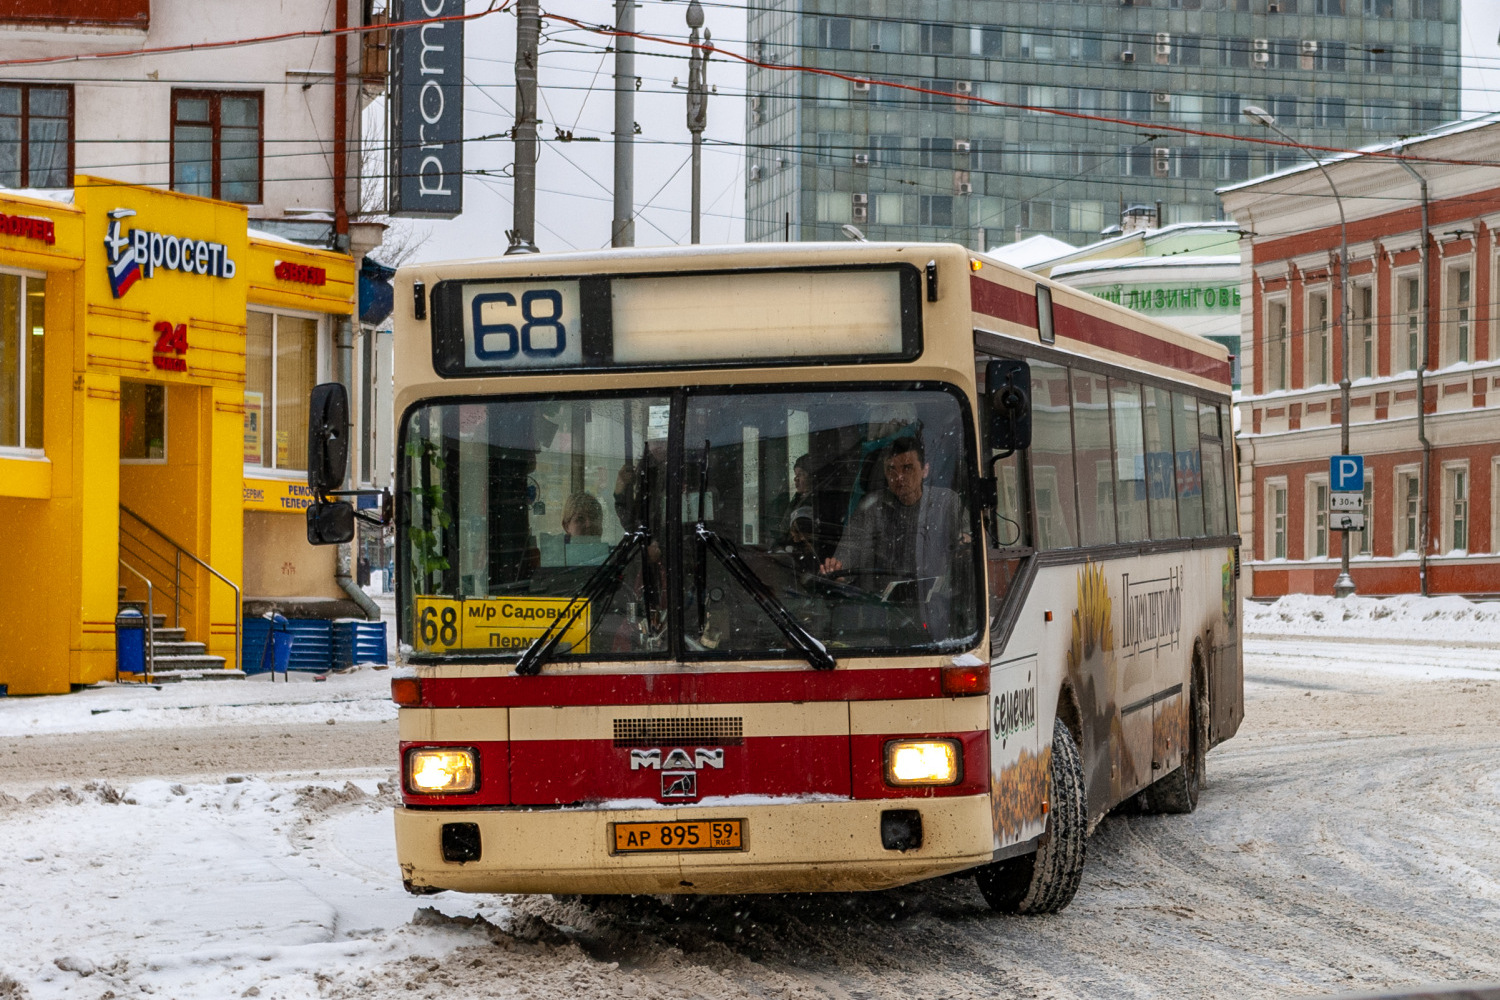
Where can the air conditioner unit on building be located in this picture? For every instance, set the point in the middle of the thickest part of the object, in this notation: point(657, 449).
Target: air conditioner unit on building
point(1260, 44)
point(964, 188)
point(861, 86)
point(859, 198)
point(1161, 161)
point(755, 118)
point(861, 159)
point(1161, 97)
point(1260, 58)
point(755, 172)
point(1309, 46)
point(1273, 7)
point(1163, 38)
point(963, 87)
point(1127, 56)
point(860, 214)
point(960, 145)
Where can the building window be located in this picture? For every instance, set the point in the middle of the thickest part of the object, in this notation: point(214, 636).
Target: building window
point(835, 206)
point(1409, 306)
point(216, 140)
point(1359, 541)
point(833, 32)
point(1038, 45)
point(1428, 58)
point(936, 153)
point(1456, 348)
point(23, 304)
point(1329, 112)
point(886, 209)
point(1378, 60)
point(988, 42)
point(1409, 521)
point(281, 368)
point(945, 86)
point(832, 90)
point(885, 36)
point(1234, 165)
point(1330, 57)
point(1380, 115)
point(935, 210)
point(1317, 519)
point(143, 421)
point(936, 39)
point(1276, 345)
point(1362, 333)
point(1318, 340)
point(1276, 520)
point(36, 136)
point(1087, 47)
point(885, 150)
point(1234, 52)
point(1328, 6)
point(1380, 8)
point(1456, 508)
point(985, 155)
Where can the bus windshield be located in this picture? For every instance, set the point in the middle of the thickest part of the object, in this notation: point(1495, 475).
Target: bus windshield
point(848, 504)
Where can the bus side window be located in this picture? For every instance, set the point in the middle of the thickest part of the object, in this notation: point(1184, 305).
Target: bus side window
point(1052, 486)
point(1096, 477)
point(1130, 460)
point(1214, 500)
point(1189, 465)
point(1161, 472)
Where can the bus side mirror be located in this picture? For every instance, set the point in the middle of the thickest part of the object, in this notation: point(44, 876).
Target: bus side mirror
point(327, 438)
point(330, 522)
point(1007, 382)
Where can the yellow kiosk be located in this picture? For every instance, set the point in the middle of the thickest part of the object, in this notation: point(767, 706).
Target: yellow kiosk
point(152, 359)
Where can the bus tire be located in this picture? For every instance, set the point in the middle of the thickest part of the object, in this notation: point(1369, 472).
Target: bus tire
point(1046, 881)
point(1177, 793)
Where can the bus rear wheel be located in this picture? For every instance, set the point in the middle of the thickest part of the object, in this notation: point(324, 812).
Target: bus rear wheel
point(1177, 793)
point(1046, 881)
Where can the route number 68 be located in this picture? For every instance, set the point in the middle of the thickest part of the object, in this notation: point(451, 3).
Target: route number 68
point(540, 335)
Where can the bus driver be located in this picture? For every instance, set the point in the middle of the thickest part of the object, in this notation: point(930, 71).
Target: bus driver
point(905, 535)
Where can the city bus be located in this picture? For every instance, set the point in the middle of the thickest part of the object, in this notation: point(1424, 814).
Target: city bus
point(788, 568)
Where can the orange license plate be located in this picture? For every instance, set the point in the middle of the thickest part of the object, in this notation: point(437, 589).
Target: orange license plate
point(697, 835)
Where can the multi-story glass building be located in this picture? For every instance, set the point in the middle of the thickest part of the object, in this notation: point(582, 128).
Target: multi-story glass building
point(824, 152)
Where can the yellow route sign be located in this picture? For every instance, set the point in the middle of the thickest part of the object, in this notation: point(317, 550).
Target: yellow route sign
point(502, 624)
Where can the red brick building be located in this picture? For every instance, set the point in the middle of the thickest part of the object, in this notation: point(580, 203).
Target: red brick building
point(1421, 325)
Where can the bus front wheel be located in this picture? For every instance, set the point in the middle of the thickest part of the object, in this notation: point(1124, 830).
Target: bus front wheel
point(1046, 881)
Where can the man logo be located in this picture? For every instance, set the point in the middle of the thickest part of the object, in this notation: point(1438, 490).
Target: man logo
point(678, 758)
point(679, 784)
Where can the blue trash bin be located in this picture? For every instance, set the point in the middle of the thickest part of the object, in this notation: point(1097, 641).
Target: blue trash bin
point(130, 642)
point(281, 644)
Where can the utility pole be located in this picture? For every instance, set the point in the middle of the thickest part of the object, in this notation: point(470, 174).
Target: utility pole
point(528, 28)
point(622, 229)
point(697, 106)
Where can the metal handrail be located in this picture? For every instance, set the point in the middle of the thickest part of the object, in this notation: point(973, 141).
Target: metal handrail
point(150, 627)
point(182, 594)
point(238, 597)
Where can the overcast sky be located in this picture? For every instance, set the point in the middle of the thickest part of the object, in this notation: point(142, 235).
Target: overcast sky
point(575, 179)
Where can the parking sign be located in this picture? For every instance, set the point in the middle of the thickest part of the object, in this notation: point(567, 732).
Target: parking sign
point(1346, 473)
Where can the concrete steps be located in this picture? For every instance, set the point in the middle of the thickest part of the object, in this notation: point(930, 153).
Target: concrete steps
point(174, 657)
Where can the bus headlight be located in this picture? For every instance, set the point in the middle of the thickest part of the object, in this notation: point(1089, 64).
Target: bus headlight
point(923, 762)
point(441, 771)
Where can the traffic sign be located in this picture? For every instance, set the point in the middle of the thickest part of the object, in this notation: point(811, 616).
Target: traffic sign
point(1347, 520)
point(1346, 473)
point(1346, 501)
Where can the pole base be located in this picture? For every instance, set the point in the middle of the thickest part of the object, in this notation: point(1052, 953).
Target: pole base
point(1343, 586)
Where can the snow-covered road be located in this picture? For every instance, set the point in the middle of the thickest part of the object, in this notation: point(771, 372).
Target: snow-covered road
point(225, 841)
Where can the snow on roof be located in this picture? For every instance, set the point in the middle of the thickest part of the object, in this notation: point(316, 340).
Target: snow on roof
point(62, 195)
point(1441, 132)
point(1031, 250)
point(1129, 263)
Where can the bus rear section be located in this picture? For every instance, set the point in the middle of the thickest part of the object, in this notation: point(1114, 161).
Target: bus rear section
point(715, 781)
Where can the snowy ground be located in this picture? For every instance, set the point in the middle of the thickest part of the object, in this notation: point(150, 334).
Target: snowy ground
point(214, 840)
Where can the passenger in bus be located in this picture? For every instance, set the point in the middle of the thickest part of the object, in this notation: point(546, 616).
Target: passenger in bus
point(785, 509)
point(583, 517)
point(902, 540)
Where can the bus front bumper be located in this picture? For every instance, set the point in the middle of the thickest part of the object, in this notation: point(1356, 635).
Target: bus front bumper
point(792, 847)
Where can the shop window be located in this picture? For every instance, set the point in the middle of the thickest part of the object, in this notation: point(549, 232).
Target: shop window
point(1408, 522)
point(1456, 508)
point(1317, 519)
point(143, 421)
point(22, 360)
point(36, 136)
point(1276, 520)
point(216, 144)
point(281, 355)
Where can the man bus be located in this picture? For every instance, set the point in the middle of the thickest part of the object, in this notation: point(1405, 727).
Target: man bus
point(1008, 604)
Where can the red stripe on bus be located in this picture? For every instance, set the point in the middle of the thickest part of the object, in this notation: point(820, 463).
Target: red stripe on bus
point(682, 689)
point(1004, 302)
point(1077, 325)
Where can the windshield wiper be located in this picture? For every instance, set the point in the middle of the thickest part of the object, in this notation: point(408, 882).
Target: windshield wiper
point(602, 580)
point(808, 644)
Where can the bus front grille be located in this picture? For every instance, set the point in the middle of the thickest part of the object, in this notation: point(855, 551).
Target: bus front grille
point(714, 731)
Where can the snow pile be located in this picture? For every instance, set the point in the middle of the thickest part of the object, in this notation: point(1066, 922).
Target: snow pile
point(360, 695)
point(1431, 620)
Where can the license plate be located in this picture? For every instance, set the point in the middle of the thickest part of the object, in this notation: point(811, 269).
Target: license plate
point(696, 835)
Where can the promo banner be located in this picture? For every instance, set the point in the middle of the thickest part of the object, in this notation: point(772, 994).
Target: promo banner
point(427, 111)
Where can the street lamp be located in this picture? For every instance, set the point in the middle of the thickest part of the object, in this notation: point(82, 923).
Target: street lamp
point(697, 105)
point(1344, 585)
